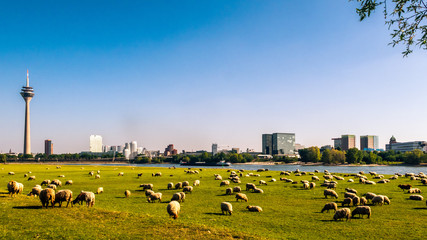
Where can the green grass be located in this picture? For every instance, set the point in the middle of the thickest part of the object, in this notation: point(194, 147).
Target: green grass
point(289, 212)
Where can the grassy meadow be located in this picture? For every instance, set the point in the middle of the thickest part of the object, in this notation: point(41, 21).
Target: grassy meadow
point(289, 211)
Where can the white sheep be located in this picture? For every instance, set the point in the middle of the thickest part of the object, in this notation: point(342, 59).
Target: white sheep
point(378, 199)
point(88, 197)
point(416, 197)
point(330, 206)
point(64, 196)
point(170, 185)
point(196, 183)
point(14, 188)
point(173, 209)
point(242, 197)
point(69, 182)
point(127, 193)
point(254, 208)
point(100, 190)
point(154, 197)
point(361, 210)
point(47, 196)
point(329, 192)
point(226, 207)
point(342, 213)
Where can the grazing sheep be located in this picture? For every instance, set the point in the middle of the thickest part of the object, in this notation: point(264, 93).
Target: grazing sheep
point(347, 201)
point(254, 208)
point(35, 191)
point(56, 182)
point(224, 183)
point(241, 196)
point(363, 201)
point(262, 182)
point(173, 209)
point(361, 210)
point(127, 193)
point(148, 192)
point(25, 175)
point(331, 185)
point(52, 186)
point(258, 190)
point(351, 190)
point(342, 213)
point(121, 174)
point(356, 201)
point(378, 199)
point(185, 183)
point(146, 186)
point(31, 178)
point(416, 197)
point(237, 189)
point(250, 186)
point(178, 185)
point(350, 180)
point(11, 173)
point(188, 189)
point(227, 208)
point(228, 191)
point(315, 178)
point(329, 192)
point(47, 196)
point(196, 183)
point(289, 180)
point(170, 185)
point(154, 197)
point(14, 188)
point(69, 182)
point(58, 167)
point(88, 197)
point(64, 196)
point(405, 186)
point(386, 200)
point(97, 176)
point(157, 174)
point(61, 176)
point(312, 185)
point(330, 206)
point(91, 173)
point(414, 190)
point(424, 181)
point(369, 195)
point(218, 177)
point(100, 190)
point(349, 195)
point(139, 175)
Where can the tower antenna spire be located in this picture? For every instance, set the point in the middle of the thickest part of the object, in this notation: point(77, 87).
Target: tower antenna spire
point(28, 79)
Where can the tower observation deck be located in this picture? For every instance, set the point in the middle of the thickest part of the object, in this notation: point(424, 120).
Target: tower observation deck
point(27, 93)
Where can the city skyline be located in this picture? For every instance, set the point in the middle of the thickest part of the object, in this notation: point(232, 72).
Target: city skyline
point(193, 74)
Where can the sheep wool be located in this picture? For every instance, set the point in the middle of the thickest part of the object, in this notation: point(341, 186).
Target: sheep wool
point(241, 196)
point(226, 207)
point(361, 210)
point(330, 206)
point(47, 196)
point(254, 208)
point(173, 209)
point(342, 213)
point(64, 196)
point(127, 193)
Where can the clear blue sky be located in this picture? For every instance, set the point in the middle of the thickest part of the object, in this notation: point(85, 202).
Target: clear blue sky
point(197, 72)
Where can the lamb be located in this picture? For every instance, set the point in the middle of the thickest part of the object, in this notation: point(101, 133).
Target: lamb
point(88, 197)
point(254, 208)
point(154, 197)
point(64, 196)
point(127, 193)
point(69, 182)
point(188, 189)
point(35, 191)
point(241, 196)
point(330, 206)
point(312, 185)
point(258, 190)
point(31, 178)
point(196, 183)
point(414, 190)
point(250, 186)
point(185, 183)
point(342, 213)
point(14, 188)
point(416, 197)
point(227, 208)
point(121, 174)
point(347, 201)
point(224, 183)
point(329, 192)
point(363, 201)
point(100, 190)
point(228, 191)
point(178, 185)
point(173, 209)
point(361, 210)
point(237, 189)
point(170, 185)
point(57, 182)
point(47, 196)
point(378, 199)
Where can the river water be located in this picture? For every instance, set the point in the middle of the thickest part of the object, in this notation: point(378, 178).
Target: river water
point(332, 169)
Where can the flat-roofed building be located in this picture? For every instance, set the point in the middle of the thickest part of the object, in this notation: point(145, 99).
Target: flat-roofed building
point(405, 146)
point(347, 142)
point(369, 142)
point(48, 147)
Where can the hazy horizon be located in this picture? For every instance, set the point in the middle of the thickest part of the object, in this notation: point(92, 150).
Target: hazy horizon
point(193, 73)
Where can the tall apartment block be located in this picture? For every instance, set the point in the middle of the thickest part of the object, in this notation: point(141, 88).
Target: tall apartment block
point(95, 143)
point(369, 142)
point(278, 144)
point(347, 142)
point(48, 147)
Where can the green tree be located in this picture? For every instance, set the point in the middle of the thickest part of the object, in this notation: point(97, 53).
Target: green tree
point(406, 18)
point(353, 155)
point(311, 154)
point(326, 156)
point(3, 158)
point(337, 156)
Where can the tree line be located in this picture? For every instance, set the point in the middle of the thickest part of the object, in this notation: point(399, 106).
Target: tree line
point(356, 156)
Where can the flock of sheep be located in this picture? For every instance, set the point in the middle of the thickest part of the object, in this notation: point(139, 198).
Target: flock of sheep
point(49, 195)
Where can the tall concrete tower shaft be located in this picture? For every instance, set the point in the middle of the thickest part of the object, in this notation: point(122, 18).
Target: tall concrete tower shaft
point(27, 93)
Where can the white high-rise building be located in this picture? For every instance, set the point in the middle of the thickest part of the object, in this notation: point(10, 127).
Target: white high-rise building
point(95, 143)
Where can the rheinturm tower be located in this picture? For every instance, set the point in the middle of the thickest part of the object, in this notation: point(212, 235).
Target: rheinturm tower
point(27, 93)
